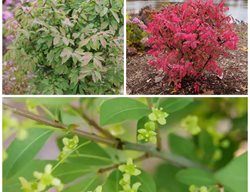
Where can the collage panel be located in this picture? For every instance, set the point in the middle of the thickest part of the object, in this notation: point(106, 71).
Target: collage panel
point(125, 144)
point(187, 47)
point(87, 99)
point(63, 47)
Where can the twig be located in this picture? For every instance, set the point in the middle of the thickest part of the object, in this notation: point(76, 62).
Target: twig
point(59, 125)
point(91, 122)
point(204, 66)
point(158, 137)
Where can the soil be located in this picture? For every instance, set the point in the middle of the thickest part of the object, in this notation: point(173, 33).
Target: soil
point(143, 79)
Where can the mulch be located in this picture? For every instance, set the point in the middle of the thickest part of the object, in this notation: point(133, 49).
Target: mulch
point(144, 79)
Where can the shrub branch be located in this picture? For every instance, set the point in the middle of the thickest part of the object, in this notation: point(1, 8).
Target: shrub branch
point(92, 123)
point(150, 150)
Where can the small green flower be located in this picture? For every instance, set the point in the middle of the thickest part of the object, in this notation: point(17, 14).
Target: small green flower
point(130, 168)
point(43, 181)
point(158, 115)
point(150, 126)
point(136, 186)
point(203, 189)
point(69, 146)
point(26, 186)
point(190, 123)
point(71, 143)
point(147, 136)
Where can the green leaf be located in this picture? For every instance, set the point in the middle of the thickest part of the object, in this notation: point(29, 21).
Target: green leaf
point(121, 109)
point(86, 184)
point(69, 171)
point(84, 42)
point(115, 16)
point(66, 54)
point(57, 40)
point(112, 182)
point(65, 41)
point(234, 175)
point(20, 153)
point(206, 145)
point(182, 146)
point(87, 57)
point(171, 105)
point(103, 42)
point(104, 11)
point(147, 181)
point(166, 180)
point(97, 63)
point(195, 176)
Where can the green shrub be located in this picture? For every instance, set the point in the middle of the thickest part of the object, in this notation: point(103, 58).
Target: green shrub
point(135, 35)
point(71, 47)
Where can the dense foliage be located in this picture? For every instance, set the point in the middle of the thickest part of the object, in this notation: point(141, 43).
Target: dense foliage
point(97, 145)
point(135, 29)
point(71, 47)
point(188, 39)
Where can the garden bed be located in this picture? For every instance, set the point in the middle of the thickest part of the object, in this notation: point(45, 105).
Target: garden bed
point(144, 79)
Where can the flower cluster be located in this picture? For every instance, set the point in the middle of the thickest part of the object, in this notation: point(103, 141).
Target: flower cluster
point(43, 181)
point(69, 146)
point(190, 123)
point(158, 115)
point(129, 170)
point(187, 39)
point(148, 133)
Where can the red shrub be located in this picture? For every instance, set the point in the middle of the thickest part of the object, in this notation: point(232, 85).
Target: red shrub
point(188, 39)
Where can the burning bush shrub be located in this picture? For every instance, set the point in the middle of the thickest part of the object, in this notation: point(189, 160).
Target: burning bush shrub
point(188, 39)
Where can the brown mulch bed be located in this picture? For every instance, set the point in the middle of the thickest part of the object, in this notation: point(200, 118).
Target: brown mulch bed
point(144, 79)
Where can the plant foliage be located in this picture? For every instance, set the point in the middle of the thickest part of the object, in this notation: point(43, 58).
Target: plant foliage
point(188, 39)
point(71, 47)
